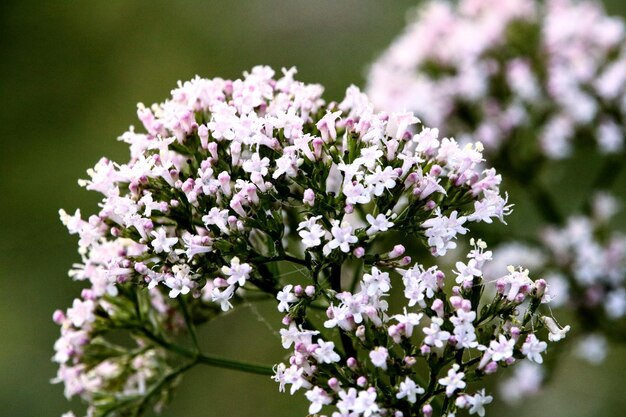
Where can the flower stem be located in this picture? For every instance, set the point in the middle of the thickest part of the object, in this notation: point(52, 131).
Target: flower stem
point(208, 359)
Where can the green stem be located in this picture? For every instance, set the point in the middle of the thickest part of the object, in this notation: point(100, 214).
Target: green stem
point(208, 359)
point(253, 368)
point(189, 323)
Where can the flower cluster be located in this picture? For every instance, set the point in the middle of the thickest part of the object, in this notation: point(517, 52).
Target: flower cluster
point(398, 364)
point(530, 76)
point(235, 180)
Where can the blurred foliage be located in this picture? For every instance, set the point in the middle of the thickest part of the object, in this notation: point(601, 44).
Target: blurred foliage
point(70, 75)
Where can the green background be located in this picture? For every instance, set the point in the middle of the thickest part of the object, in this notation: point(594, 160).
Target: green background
point(71, 74)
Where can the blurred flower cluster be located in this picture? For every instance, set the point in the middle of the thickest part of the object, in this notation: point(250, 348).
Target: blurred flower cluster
point(234, 182)
point(524, 76)
point(536, 82)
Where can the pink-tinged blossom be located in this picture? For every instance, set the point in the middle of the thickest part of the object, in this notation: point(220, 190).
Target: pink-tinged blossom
point(342, 237)
point(325, 352)
point(376, 283)
point(533, 348)
point(218, 192)
point(440, 74)
point(441, 230)
point(81, 312)
point(502, 349)
point(318, 398)
point(435, 336)
point(237, 272)
point(379, 356)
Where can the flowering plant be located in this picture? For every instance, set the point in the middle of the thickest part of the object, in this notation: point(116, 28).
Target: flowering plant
point(535, 81)
point(234, 182)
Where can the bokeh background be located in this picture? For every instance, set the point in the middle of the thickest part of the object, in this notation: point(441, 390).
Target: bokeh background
point(71, 74)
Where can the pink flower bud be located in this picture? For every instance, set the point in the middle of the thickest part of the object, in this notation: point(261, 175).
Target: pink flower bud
point(360, 332)
point(309, 290)
point(308, 197)
point(427, 410)
point(500, 286)
point(491, 368)
point(361, 381)
point(58, 317)
point(351, 363)
point(317, 147)
point(515, 332)
point(87, 294)
point(203, 134)
point(333, 384)
point(298, 290)
point(430, 205)
point(141, 268)
point(397, 251)
point(456, 302)
point(212, 147)
point(437, 307)
point(358, 252)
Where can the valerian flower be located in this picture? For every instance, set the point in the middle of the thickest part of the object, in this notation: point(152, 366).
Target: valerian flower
point(237, 190)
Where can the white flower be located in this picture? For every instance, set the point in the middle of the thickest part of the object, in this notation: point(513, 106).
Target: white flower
point(237, 273)
point(180, 282)
point(556, 333)
point(311, 232)
point(410, 390)
point(467, 272)
point(325, 352)
point(376, 283)
point(379, 356)
point(435, 336)
point(453, 381)
point(377, 224)
point(441, 230)
point(161, 242)
point(285, 298)
point(366, 403)
point(477, 402)
point(502, 349)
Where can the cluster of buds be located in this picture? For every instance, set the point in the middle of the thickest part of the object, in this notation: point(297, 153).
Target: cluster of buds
point(236, 180)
